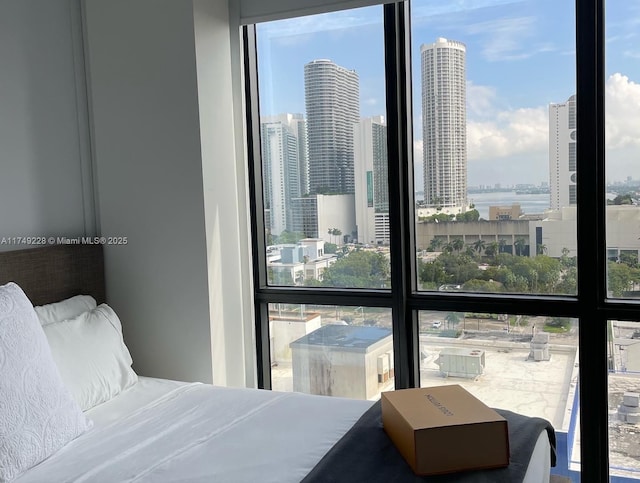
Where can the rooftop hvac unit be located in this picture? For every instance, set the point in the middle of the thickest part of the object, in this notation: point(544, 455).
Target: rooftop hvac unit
point(629, 411)
point(461, 362)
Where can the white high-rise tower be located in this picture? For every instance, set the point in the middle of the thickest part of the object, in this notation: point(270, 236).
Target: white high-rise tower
point(284, 167)
point(444, 123)
point(562, 153)
point(332, 99)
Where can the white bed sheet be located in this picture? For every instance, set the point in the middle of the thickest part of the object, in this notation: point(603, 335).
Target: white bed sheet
point(145, 391)
point(169, 431)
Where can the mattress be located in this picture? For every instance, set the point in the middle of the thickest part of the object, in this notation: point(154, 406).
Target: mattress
point(163, 431)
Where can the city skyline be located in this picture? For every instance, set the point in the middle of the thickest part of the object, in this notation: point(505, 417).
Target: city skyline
point(520, 59)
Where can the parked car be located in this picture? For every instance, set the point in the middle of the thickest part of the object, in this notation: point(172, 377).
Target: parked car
point(436, 324)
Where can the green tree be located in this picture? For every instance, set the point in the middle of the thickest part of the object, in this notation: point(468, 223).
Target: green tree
point(471, 215)
point(330, 248)
point(337, 232)
point(476, 285)
point(625, 199)
point(519, 244)
point(452, 319)
point(362, 269)
point(568, 282)
point(502, 246)
point(432, 274)
point(457, 244)
point(619, 278)
point(491, 250)
point(479, 246)
point(434, 244)
point(629, 259)
point(289, 237)
point(469, 251)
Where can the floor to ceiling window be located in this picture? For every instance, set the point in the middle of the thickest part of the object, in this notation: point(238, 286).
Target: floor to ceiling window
point(429, 185)
point(622, 152)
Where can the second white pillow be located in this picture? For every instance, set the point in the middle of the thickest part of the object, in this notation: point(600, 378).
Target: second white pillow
point(91, 355)
point(64, 309)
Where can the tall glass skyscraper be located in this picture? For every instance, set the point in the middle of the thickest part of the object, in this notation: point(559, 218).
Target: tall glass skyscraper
point(444, 123)
point(332, 103)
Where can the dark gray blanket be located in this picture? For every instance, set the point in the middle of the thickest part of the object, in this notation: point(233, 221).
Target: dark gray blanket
point(366, 454)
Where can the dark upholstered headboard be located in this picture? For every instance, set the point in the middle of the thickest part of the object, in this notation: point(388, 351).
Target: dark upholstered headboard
point(55, 272)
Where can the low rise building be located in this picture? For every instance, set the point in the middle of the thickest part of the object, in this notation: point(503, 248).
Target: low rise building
point(344, 361)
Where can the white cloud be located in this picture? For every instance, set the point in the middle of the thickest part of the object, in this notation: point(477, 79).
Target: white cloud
point(301, 29)
point(432, 8)
point(509, 38)
point(480, 99)
point(622, 104)
point(524, 130)
point(516, 140)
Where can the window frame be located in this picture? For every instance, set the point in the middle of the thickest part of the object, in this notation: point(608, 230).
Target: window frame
point(590, 305)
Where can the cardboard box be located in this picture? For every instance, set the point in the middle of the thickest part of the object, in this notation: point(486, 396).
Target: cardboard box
point(445, 429)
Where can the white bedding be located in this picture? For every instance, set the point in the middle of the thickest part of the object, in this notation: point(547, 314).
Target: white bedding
point(197, 432)
point(168, 431)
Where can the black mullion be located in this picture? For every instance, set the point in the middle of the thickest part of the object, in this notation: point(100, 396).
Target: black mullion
point(398, 103)
point(296, 295)
point(256, 206)
point(591, 189)
point(496, 303)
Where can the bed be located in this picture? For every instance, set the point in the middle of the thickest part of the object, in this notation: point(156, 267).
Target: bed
point(157, 430)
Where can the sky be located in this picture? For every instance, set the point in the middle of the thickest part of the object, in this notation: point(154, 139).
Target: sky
point(520, 57)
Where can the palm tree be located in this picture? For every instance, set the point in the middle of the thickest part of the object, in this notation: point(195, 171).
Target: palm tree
point(457, 244)
point(492, 249)
point(478, 245)
point(452, 319)
point(337, 232)
point(501, 244)
point(448, 248)
point(434, 244)
point(469, 251)
point(519, 244)
point(541, 249)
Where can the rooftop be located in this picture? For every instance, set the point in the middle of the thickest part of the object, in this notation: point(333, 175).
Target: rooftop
point(344, 336)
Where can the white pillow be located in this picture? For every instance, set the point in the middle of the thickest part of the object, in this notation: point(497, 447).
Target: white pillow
point(91, 355)
point(65, 309)
point(38, 416)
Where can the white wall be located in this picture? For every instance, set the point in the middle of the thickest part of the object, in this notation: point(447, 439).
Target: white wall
point(45, 178)
point(220, 84)
point(179, 282)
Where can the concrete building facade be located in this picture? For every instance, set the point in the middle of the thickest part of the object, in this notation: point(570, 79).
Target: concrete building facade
point(344, 361)
point(314, 215)
point(511, 212)
point(371, 181)
point(562, 153)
